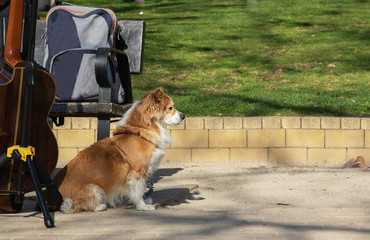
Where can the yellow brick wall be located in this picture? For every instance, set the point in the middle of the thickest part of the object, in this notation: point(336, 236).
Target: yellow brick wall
point(308, 141)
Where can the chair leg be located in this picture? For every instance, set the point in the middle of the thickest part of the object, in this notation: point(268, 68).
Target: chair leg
point(103, 127)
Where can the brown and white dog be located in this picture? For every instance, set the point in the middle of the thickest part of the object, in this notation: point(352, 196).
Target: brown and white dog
point(114, 170)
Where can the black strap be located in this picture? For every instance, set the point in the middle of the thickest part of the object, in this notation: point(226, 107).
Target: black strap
point(123, 66)
point(125, 76)
point(120, 41)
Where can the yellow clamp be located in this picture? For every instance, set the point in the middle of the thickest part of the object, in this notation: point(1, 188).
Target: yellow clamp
point(24, 151)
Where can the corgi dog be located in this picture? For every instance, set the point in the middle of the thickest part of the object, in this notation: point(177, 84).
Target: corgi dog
point(114, 170)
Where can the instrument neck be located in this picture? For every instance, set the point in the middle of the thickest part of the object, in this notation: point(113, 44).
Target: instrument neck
point(12, 52)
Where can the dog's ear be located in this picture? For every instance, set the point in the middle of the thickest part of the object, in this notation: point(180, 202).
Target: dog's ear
point(158, 94)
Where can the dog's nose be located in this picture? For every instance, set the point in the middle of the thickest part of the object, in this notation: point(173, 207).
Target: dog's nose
point(182, 116)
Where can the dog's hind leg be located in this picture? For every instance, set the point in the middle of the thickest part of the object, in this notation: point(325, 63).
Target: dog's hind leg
point(90, 198)
point(136, 192)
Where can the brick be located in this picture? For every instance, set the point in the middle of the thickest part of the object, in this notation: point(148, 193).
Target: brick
point(213, 123)
point(291, 122)
point(365, 123)
point(179, 126)
point(66, 154)
point(353, 153)
point(344, 138)
point(233, 123)
point(351, 123)
point(266, 138)
point(367, 138)
point(311, 122)
point(189, 138)
point(227, 138)
point(243, 154)
point(76, 138)
point(180, 155)
point(331, 157)
point(330, 123)
point(252, 123)
point(67, 124)
point(94, 123)
point(113, 125)
point(79, 149)
point(288, 155)
point(80, 123)
point(304, 138)
point(194, 123)
point(214, 155)
point(271, 122)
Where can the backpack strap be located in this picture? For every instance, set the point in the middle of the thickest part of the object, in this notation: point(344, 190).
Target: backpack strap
point(101, 63)
point(119, 40)
point(123, 66)
point(125, 77)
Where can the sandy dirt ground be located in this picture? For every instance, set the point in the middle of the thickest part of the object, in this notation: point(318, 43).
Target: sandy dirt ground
point(243, 186)
point(229, 201)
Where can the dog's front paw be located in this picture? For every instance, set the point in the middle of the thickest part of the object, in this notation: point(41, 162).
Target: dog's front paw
point(100, 207)
point(146, 207)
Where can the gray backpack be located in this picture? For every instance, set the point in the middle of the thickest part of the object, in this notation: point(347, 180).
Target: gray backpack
point(74, 35)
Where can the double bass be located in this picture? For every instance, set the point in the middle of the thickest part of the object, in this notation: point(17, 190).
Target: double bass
point(13, 122)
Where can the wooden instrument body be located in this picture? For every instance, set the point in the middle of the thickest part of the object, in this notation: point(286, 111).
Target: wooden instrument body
point(12, 89)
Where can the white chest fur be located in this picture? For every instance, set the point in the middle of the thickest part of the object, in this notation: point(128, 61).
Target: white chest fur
point(160, 149)
point(164, 138)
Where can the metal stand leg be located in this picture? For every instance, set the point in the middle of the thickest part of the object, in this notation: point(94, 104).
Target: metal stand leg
point(47, 182)
point(27, 154)
point(49, 222)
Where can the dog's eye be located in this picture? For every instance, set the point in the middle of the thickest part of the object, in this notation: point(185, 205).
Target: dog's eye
point(170, 108)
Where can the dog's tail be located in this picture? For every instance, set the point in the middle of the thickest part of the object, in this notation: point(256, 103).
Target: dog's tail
point(94, 200)
point(67, 205)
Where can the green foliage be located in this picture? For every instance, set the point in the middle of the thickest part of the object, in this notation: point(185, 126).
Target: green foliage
point(255, 57)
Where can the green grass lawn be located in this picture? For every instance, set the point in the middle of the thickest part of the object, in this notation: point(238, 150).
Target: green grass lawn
point(255, 57)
